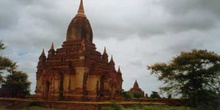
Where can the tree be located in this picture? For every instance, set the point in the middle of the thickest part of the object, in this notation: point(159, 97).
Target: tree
point(16, 85)
point(155, 94)
point(2, 45)
point(6, 63)
point(195, 75)
point(137, 95)
point(169, 96)
point(126, 95)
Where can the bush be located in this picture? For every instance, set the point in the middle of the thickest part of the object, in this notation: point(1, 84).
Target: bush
point(115, 106)
point(126, 95)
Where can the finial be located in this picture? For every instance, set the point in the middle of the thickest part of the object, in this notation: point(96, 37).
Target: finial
point(52, 46)
point(105, 52)
point(43, 53)
point(51, 51)
point(105, 55)
point(81, 9)
point(111, 60)
point(119, 70)
point(42, 56)
point(136, 84)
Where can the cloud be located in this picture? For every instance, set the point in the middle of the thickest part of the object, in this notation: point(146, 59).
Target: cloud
point(122, 18)
point(8, 18)
point(189, 15)
point(186, 6)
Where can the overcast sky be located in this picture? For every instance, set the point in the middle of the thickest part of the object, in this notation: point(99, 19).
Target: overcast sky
point(136, 32)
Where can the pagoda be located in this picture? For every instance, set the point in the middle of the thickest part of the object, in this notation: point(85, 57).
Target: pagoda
point(136, 89)
point(77, 71)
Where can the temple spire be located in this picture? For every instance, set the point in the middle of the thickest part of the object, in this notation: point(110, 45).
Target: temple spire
point(105, 55)
point(43, 53)
point(81, 9)
point(112, 63)
point(52, 50)
point(105, 52)
point(136, 84)
point(42, 60)
point(42, 57)
point(111, 60)
point(119, 69)
point(52, 46)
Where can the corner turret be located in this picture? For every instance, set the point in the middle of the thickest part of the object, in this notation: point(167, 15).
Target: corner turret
point(111, 62)
point(42, 60)
point(119, 71)
point(52, 50)
point(42, 57)
point(105, 55)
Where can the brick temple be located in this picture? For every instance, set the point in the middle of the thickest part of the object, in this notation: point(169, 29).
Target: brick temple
point(77, 71)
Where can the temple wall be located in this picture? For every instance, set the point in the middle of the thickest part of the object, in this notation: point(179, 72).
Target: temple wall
point(66, 83)
point(72, 81)
point(80, 72)
point(56, 84)
point(92, 83)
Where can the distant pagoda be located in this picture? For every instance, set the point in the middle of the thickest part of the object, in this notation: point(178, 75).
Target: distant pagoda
point(76, 71)
point(136, 89)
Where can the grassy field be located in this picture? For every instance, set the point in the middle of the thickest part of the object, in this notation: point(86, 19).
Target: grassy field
point(162, 108)
point(147, 107)
point(21, 104)
point(116, 107)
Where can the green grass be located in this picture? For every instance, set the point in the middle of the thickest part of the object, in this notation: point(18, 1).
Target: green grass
point(27, 105)
point(114, 107)
point(153, 107)
point(147, 107)
point(29, 108)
